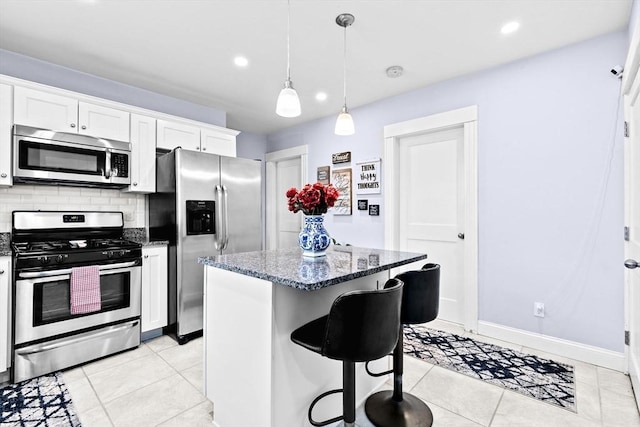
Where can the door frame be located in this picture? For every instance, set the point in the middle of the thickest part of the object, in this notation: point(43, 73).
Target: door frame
point(630, 83)
point(467, 118)
point(272, 199)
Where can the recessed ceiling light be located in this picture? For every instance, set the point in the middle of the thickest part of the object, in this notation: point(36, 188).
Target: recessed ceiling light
point(321, 96)
point(510, 27)
point(241, 61)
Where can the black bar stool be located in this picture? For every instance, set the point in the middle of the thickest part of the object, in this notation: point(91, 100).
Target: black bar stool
point(361, 326)
point(420, 299)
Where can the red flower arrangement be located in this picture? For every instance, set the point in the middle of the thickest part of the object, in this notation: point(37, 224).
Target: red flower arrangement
point(312, 199)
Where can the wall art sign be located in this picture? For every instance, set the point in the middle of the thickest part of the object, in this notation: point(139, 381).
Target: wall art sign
point(323, 174)
point(374, 210)
point(368, 177)
point(344, 157)
point(341, 179)
point(363, 205)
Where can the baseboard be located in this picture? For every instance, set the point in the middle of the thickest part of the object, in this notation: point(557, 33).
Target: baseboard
point(571, 349)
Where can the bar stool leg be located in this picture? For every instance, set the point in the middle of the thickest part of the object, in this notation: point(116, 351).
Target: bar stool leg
point(349, 393)
point(395, 408)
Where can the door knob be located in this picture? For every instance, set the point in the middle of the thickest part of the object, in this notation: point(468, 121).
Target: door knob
point(631, 264)
point(461, 236)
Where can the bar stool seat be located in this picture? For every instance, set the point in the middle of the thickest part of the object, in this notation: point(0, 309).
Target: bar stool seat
point(362, 325)
point(420, 301)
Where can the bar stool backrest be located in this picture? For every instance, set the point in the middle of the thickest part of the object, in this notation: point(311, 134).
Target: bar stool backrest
point(363, 325)
point(421, 294)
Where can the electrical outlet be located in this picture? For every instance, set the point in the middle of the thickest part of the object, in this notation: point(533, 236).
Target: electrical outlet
point(538, 309)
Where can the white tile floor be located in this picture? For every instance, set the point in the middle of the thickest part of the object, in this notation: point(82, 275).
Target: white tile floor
point(160, 384)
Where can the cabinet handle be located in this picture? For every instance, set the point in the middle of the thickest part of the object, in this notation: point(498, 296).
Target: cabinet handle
point(204, 148)
point(146, 256)
point(198, 148)
point(84, 127)
point(73, 125)
point(1, 271)
point(3, 175)
point(135, 184)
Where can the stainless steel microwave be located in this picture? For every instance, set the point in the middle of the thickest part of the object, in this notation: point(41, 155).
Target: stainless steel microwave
point(48, 157)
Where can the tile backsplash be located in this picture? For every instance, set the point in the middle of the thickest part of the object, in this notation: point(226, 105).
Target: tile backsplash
point(54, 198)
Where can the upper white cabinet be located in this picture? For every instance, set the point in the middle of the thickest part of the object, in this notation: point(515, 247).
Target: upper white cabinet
point(143, 154)
point(216, 142)
point(206, 140)
point(5, 312)
point(56, 112)
point(6, 120)
point(172, 135)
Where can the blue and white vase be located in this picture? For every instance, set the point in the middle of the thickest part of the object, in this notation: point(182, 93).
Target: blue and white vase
point(313, 238)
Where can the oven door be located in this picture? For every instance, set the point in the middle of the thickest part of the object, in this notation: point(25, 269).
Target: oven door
point(42, 301)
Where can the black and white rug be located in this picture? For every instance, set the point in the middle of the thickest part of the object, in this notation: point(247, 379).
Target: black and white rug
point(543, 379)
point(42, 402)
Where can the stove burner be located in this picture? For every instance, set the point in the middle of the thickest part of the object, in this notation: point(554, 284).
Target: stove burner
point(63, 245)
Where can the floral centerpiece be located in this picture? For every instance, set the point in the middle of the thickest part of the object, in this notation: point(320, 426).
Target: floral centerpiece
point(313, 201)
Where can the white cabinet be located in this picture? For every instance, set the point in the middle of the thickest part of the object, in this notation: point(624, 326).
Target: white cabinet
point(206, 140)
point(5, 312)
point(216, 142)
point(172, 135)
point(154, 287)
point(6, 121)
point(143, 154)
point(61, 113)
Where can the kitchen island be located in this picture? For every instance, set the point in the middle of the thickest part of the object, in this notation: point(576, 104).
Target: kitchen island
point(253, 373)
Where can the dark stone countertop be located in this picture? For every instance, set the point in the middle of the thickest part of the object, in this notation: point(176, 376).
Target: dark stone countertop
point(288, 267)
point(5, 244)
point(139, 235)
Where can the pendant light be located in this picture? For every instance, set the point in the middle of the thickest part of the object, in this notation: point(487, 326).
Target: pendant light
point(288, 104)
point(344, 124)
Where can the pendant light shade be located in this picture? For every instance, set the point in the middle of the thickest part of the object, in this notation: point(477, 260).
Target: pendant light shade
point(344, 123)
point(288, 104)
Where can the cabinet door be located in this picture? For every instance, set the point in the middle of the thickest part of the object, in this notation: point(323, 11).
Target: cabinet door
point(45, 110)
point(143, 154)
point(154, 288)
point(218, 143)
point(172, 135)
point(103, 122)
point(6, 120)
point(5, 312)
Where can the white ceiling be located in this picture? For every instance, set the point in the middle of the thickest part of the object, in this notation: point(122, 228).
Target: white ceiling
point(185, 48)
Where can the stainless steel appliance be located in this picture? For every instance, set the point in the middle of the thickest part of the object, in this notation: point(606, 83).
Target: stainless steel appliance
point(204, 205)
point(44, 156)
point(46, 245)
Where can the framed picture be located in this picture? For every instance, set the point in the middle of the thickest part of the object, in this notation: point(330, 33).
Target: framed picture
point(374, 210)
point(368, 177)
point(323, 174)
point(363, 205)
point(341, 179)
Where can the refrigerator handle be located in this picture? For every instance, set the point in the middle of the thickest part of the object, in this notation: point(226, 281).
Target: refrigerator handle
point(219, 219)
point(225, 243)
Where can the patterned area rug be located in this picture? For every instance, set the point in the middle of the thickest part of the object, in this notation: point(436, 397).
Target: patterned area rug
point(42, 402)
point(543, 379)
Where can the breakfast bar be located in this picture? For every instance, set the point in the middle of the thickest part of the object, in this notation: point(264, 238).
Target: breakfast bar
point(253, 373)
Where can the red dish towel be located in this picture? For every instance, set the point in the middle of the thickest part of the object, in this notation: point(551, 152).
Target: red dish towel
point(85, 289)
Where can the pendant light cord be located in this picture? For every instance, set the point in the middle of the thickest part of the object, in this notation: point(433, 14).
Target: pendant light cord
point(344, 67)
point(288, 42)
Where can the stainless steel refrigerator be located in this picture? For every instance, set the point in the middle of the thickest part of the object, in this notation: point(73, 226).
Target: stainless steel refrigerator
point(204, 205)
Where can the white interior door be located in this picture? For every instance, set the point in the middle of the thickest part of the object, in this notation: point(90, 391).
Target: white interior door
point(285, 169)
point(431, 209)
point(632, 204)
point(288, 173)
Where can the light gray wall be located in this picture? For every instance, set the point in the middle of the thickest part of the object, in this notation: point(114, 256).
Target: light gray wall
point(253, 146)
point(550, 185)
point(35, 70)
point(634, 19)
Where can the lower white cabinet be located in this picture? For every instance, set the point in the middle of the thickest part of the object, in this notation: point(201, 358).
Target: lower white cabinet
point(154, 287)
point(5, 312)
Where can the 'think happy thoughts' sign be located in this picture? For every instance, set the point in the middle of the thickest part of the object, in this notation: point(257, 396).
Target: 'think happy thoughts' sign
point(367, 177)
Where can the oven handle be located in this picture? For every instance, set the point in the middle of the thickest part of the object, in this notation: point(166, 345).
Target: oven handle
point(65, 271)
point(82, 337)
